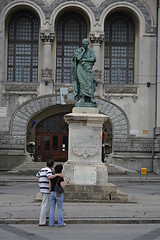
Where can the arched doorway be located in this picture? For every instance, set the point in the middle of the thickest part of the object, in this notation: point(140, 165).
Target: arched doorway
point(52, 139)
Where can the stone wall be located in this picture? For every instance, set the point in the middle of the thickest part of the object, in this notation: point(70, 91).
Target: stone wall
point(122, 143)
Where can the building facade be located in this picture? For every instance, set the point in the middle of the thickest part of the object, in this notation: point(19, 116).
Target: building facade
point(37, 42)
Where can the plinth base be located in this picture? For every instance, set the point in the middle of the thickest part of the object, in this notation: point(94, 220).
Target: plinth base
point(92, 193)
point(85, 173)
point(84, 165)
point(86, 104)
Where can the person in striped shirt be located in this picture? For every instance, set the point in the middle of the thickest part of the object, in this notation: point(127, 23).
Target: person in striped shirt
point(43, 177)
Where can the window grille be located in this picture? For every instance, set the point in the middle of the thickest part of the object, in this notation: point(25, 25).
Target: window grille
point(71, 29)
point(119, 50)
point(23, 35)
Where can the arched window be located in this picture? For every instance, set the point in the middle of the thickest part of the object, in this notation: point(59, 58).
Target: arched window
point(71, 29)
point(23, 35)
point(119, 50)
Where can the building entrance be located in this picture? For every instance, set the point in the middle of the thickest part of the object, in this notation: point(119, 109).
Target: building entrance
point(52, 139)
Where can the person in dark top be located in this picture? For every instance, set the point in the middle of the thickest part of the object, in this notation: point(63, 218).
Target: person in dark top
point(43, 177)
point(56, 198)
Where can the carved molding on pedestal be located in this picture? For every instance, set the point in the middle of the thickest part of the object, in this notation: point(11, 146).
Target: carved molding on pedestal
point(85, 153)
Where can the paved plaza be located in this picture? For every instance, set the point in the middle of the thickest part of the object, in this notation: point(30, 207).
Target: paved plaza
point(18, 205)
point(137, 220)
point(81, 232)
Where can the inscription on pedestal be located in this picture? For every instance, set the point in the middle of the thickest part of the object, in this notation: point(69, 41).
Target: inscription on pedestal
point(85, 175)
point(86, 143)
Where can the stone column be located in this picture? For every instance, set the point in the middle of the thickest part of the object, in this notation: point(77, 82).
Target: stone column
point(47, 38)
point(96, 40)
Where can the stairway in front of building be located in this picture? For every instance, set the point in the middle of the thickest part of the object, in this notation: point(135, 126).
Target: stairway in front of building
point(109, 193)
point(34, 167)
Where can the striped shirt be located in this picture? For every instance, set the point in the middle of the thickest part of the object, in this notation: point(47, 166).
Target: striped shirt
point(43, 175)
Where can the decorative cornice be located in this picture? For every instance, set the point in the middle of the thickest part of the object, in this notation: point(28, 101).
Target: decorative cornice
point(97, 10)
point(120, 90)
point(21, 88)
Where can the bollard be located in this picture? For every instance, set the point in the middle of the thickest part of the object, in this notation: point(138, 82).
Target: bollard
point(143, 171)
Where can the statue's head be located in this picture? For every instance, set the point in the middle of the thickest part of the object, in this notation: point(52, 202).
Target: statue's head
point(85, 42)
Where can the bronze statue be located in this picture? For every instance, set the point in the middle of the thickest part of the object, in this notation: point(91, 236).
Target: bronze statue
point(84, 84)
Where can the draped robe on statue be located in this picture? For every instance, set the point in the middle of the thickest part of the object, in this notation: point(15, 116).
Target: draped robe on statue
point(84, 84)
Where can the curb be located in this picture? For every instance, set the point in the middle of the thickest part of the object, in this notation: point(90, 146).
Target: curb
point(110, 180)
point(85, 221)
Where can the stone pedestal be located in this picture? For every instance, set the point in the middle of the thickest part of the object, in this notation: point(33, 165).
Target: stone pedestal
point(84, 165)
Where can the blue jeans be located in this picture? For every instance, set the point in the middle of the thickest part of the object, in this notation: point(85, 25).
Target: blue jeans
point(53, 200)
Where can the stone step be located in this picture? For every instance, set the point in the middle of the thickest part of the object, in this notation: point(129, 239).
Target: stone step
point(93, 193)
point(114, 169)
point(36, 166)
point(29, 167)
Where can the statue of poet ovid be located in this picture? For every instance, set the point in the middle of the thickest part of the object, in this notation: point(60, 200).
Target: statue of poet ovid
point(84, 84)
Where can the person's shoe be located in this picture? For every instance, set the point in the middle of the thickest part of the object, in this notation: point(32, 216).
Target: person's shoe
point(62, 225)
point(43, 225)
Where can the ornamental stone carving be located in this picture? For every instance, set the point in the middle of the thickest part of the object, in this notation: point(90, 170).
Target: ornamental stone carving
point(97, 74)
point(12, 141)
point(85, 153)
point(4, 141)
point(47, 72)
point(23, 87)
point(117, 89)
point(97, 37)
point(48, 6)
point(47, 36)
point(69, 98)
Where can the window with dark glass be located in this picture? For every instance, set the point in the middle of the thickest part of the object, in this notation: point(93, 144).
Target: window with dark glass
point(38, 142)
point(23, 35)
point(46, 142)
point(51, 124)
point(71, 29)
point(119, 50)
point(55, 143)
